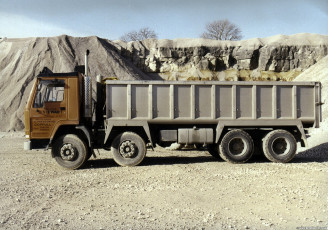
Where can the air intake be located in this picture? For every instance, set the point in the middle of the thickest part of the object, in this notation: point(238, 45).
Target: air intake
point(87, 90)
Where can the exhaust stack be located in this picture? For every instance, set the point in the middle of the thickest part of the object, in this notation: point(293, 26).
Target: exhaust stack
point(87, 90)
point(86, 62)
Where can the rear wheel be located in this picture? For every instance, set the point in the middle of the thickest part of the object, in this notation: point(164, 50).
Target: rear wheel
point(236, 146)
point(70, 151)
point(279, 146)
point(128, 149)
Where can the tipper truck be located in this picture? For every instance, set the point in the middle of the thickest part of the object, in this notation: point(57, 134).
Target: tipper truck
point(232, 119)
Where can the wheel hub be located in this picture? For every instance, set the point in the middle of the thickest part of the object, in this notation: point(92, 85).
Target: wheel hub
point(127, 149)
point(67, 152)
point(237, 146)
point(280, 146)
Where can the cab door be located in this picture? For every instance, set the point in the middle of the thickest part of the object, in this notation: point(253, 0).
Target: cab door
point(49, 106)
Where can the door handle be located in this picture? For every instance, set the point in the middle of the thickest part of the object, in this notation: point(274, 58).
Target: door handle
point(62, 108)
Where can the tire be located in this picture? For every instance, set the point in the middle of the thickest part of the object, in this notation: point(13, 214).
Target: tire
point(236, 146)
point(128, 149)
point(279, 146)
point(70, 151)
point(213, 149)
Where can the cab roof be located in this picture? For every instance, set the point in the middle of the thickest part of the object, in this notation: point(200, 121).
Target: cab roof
point(48, 73)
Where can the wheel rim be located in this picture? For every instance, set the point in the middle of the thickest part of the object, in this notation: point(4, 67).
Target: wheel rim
point(68, 152)
point(237, 146)
point(280, 146)
point(128, 149)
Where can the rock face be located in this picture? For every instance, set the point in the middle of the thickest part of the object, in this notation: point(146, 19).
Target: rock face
point(278, 57)
point(269, 58)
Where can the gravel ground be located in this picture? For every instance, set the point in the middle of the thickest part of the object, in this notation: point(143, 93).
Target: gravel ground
point(170, 190)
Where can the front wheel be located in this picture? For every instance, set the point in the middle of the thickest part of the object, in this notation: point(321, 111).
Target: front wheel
point(128, 149)
point(279, 146)
point(236, 146)
point(70, 151)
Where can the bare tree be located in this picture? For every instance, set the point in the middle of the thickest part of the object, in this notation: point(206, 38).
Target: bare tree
point(131, 36)
point(142, 34)
point(222, 30)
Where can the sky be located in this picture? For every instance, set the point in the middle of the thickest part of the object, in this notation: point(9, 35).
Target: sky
point(170, 19)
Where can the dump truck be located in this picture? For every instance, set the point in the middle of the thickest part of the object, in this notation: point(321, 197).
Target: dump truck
point(232, 119)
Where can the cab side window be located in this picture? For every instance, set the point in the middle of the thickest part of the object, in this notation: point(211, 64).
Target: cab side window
point(49, 91)
point(55, 94)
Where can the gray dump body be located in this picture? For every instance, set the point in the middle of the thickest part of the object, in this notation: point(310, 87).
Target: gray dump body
point(209, 102)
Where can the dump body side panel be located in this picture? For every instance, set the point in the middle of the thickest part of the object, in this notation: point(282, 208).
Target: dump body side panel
point(211, 101)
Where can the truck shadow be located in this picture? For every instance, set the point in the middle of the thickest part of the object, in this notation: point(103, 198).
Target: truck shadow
point(172, 160)
point(315, 154)
point(152, 160)
point(100, 163)
point(318, 153)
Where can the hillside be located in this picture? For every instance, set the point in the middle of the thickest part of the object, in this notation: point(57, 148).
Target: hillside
point(22, 59)
point(319, 72)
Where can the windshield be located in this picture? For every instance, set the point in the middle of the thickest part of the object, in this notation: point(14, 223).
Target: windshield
point(49, 91)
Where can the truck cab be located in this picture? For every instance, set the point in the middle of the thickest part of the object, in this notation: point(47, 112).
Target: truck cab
point(54, 102)
point(54, 116)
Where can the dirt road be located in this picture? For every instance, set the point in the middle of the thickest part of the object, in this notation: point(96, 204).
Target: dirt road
point(170, 190)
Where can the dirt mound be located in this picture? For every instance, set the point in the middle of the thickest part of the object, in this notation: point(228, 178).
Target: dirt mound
point(319, 72)
point(22, 59)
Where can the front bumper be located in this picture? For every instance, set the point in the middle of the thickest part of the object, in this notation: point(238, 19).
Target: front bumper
point(27, 145)
point(36, 144)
